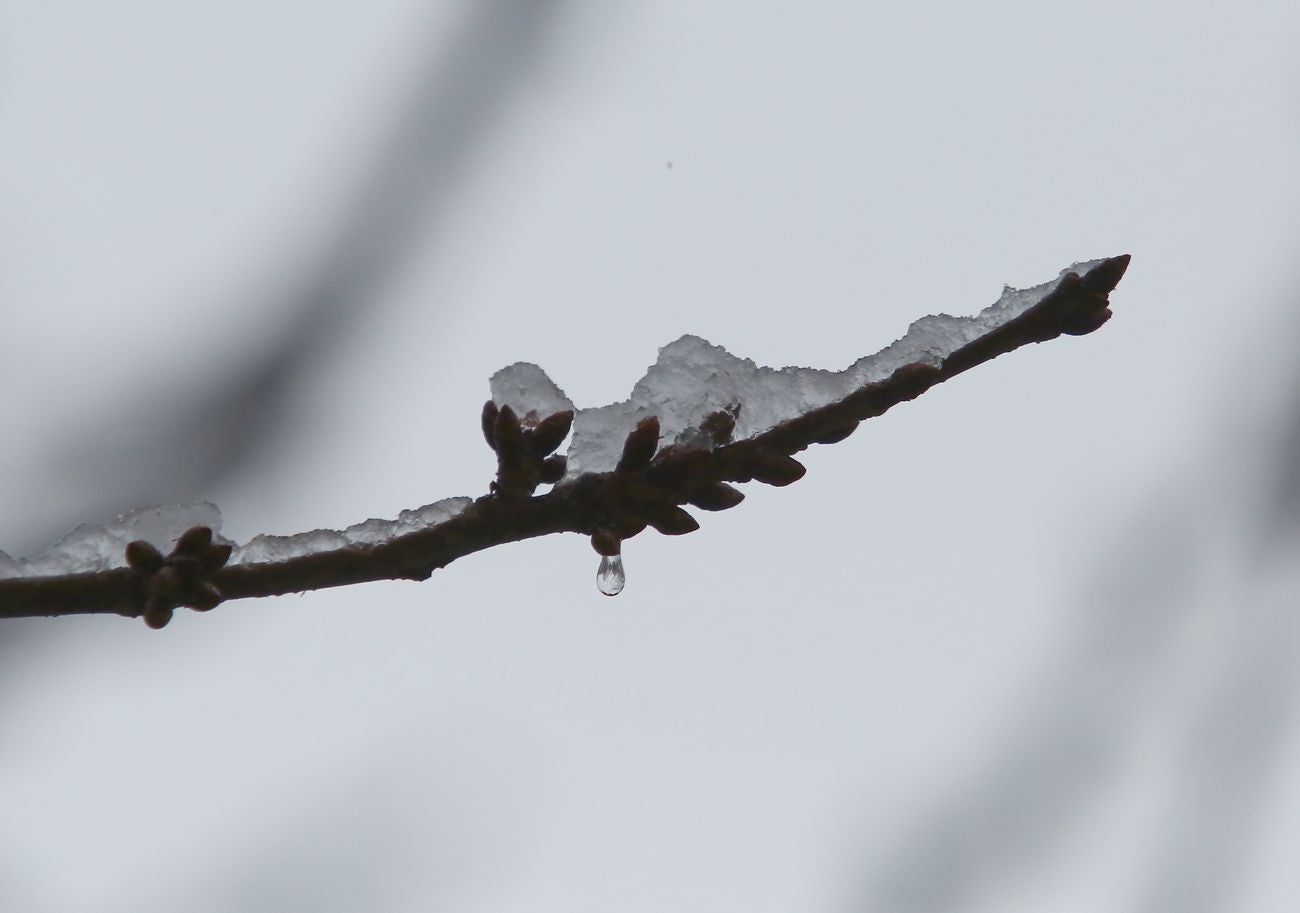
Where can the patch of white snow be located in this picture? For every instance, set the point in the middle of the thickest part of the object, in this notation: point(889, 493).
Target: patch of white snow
point(270, 549)
point(91, 548)
point(693, 378)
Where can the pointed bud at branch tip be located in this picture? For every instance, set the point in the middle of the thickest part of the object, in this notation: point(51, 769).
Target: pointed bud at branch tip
point(489, 420)
point(606, 543)
point(716, 496)
point(551, 432)
point(774, 468)
point(1105, 277)
point(671, 520)
point(640, 446)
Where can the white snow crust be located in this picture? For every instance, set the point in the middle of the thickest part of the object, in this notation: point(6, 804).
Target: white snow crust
point(91, 548)
point(527, 390)
point(270, 549)
point(693, 378)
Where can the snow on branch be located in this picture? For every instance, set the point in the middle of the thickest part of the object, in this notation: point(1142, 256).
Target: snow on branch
point(699, 420)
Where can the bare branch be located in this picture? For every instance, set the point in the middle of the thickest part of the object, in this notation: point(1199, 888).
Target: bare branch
point(646, 489)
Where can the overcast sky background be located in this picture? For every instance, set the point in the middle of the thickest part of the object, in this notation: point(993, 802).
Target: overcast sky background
point(1024, 644)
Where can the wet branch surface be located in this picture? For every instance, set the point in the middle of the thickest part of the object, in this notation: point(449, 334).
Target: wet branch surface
point(647, 489)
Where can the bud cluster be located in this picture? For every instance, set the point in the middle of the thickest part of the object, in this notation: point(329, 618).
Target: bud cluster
point(182, 578)
point(525, 451)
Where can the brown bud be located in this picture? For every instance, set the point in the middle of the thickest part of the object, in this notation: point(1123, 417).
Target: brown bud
point(910, 381)
point(834, 433)
point(551, 432)
point(1084, 323)
point(194, 541)
point(215, 557)
point(157, 616)
point(489, 420)
point(205, 598)
point(143, 557)
point(869, 401)
point(671, 520)
point(553, 468)
point(640, 446)
point(508, 434)
point(775, 468)
point(606, 543)
point(1105, 276)
point(716, 496)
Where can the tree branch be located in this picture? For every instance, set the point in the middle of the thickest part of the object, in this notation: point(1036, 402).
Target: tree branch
point(646, 489)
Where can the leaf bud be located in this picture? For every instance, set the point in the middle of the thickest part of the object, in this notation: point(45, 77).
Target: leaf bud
point(194, 541)
point(640, 446)
point(551, 432)
point(835, 432)
point(773, 468)
point(671, 520)
point(716, 496)
point(606, 543)
point(143, 557)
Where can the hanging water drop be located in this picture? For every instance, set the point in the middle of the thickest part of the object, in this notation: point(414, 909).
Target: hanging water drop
point(610, 577)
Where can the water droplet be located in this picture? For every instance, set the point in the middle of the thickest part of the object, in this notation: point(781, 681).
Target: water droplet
point(610, 577)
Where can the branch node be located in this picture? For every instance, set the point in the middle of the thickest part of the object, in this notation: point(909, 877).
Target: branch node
point(522, 449)
point(182, 578)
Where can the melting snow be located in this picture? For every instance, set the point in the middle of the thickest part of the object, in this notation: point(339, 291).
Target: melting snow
point(91, 548)
point(693, 378)
point(268, 549)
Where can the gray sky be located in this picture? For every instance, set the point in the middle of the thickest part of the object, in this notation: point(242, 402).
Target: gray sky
point(1013, 646)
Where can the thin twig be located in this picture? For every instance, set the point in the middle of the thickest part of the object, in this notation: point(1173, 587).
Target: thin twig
point(646, 489)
